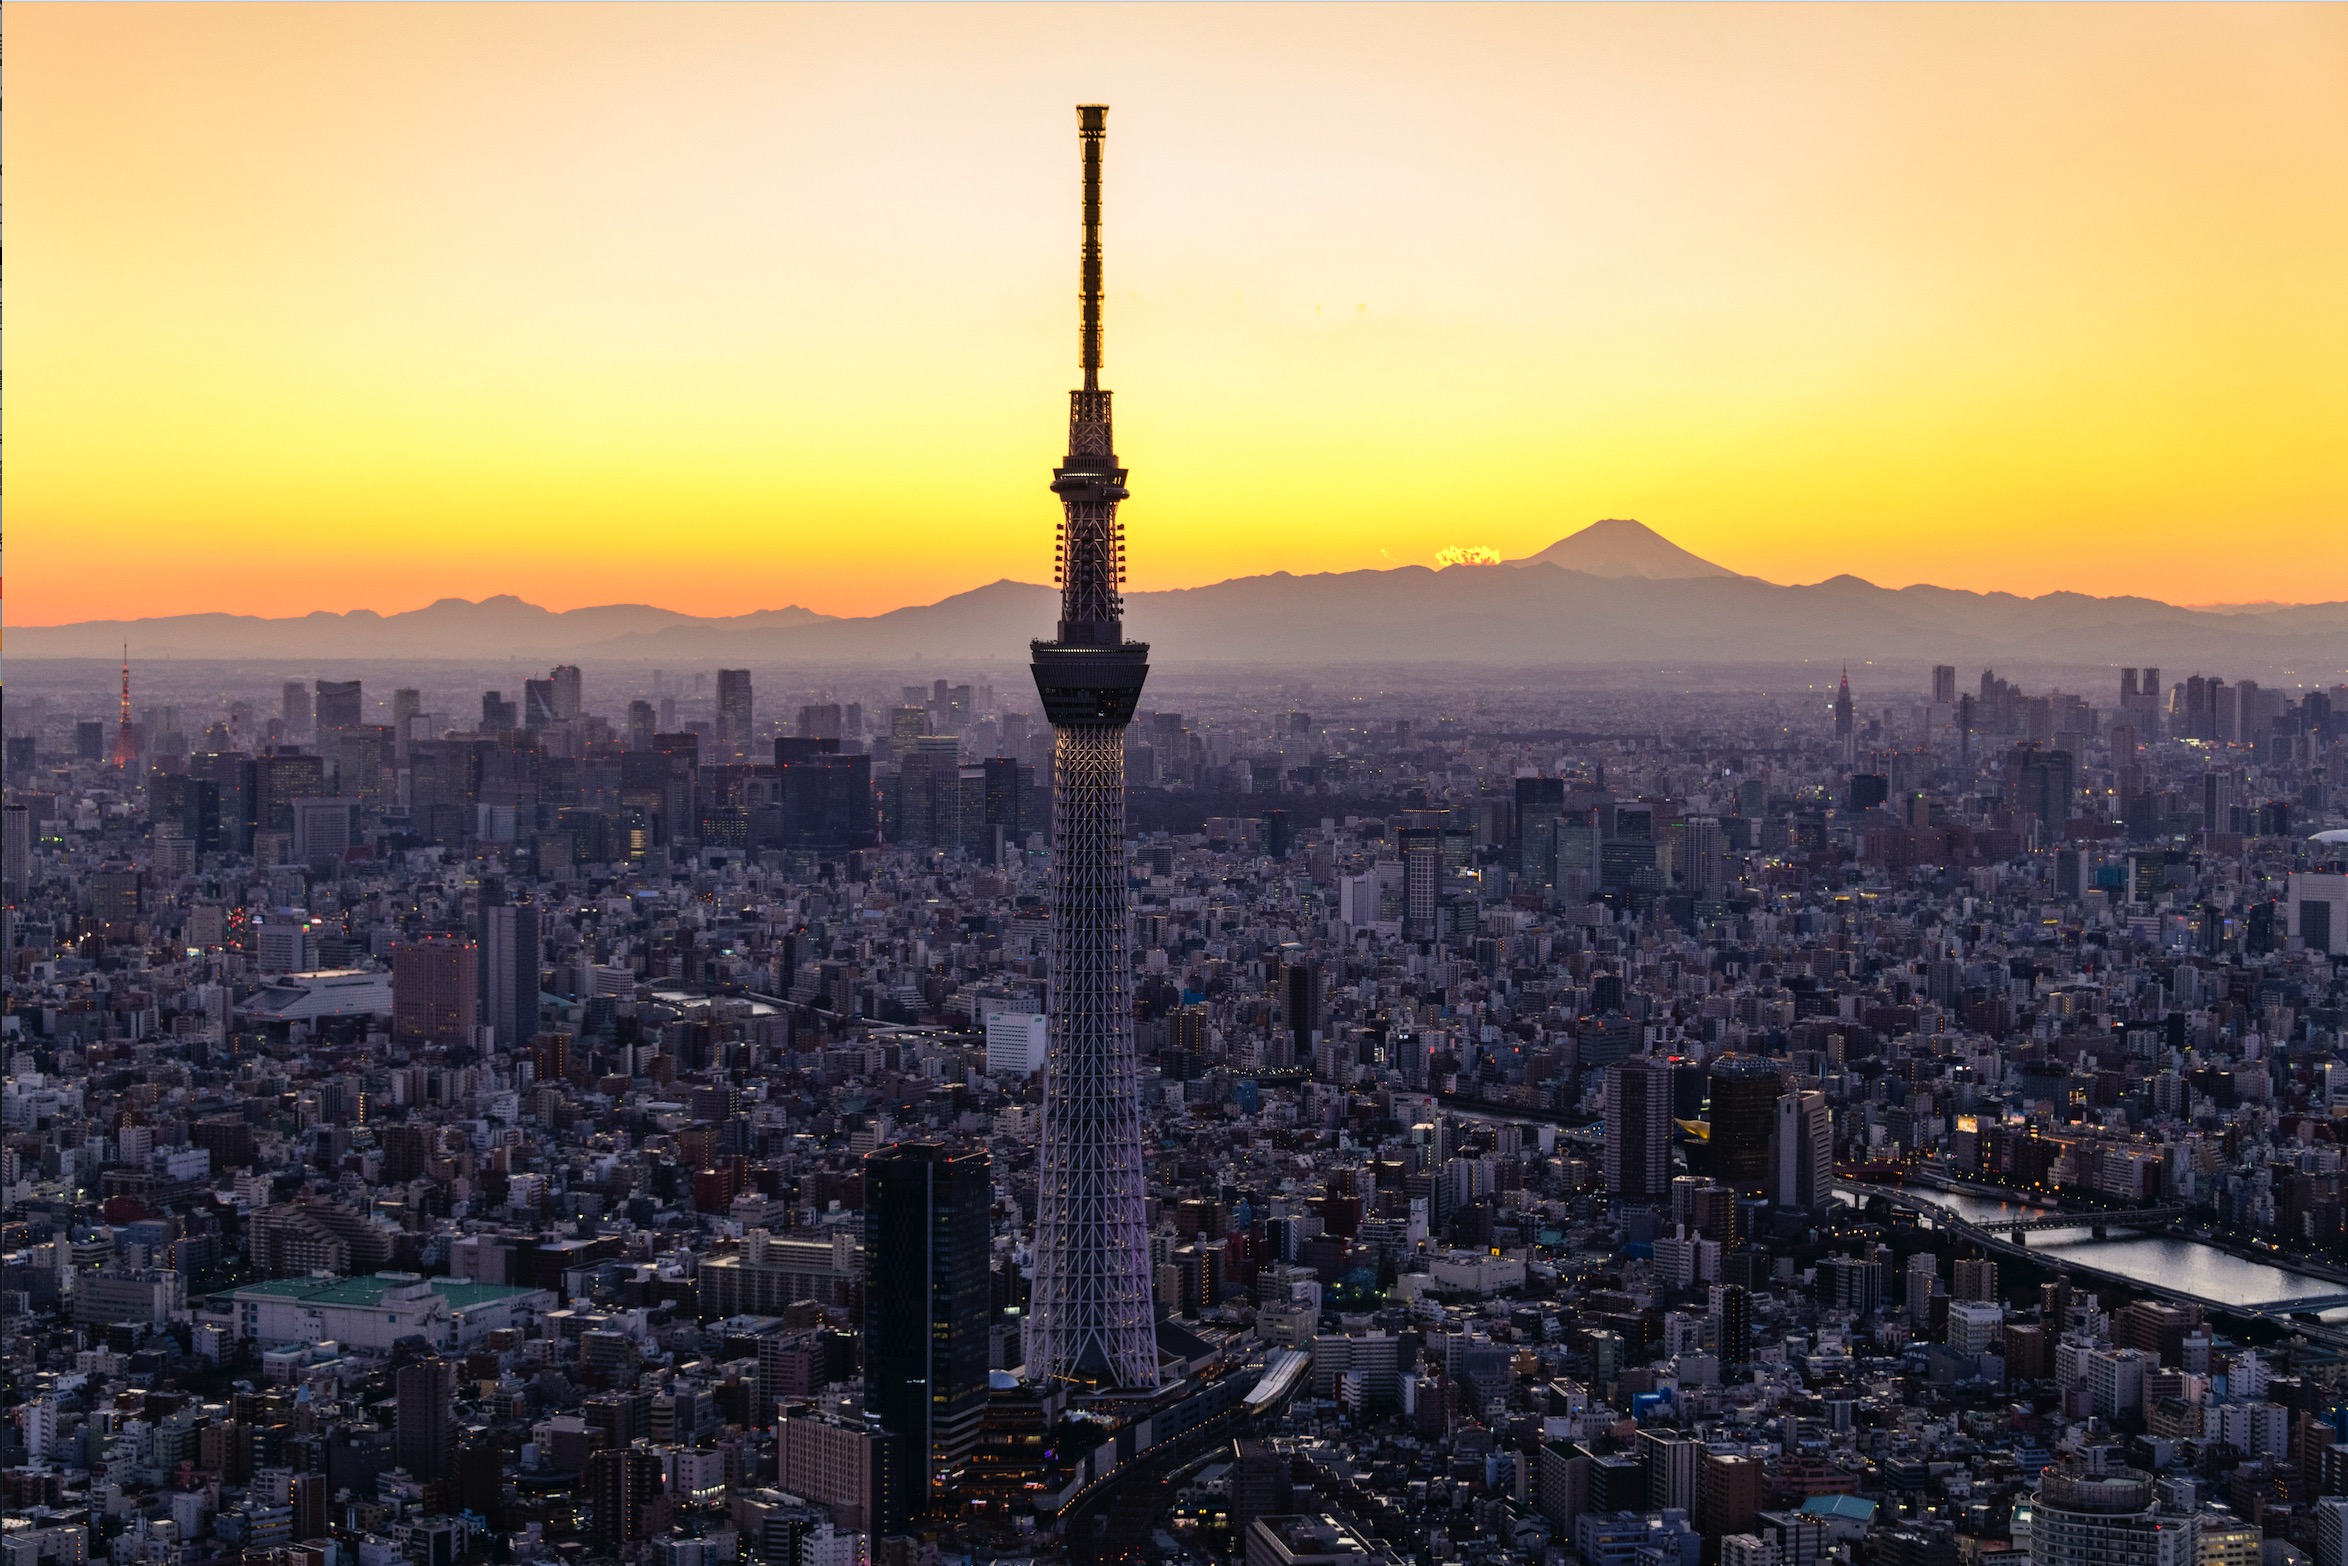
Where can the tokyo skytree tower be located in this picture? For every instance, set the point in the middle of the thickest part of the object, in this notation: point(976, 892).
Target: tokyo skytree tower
point(1091, 1318)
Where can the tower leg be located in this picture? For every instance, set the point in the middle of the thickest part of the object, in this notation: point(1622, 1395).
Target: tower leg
point(1093, 1316)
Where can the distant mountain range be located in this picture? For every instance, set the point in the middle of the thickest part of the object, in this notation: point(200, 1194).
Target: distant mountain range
point(1615, 593)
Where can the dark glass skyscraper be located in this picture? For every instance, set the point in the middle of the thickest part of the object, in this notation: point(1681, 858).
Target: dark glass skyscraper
point(1638, 1130)
point(509, 971)
point(424, 1434)
point(927, 1239)
point(1745, 1090)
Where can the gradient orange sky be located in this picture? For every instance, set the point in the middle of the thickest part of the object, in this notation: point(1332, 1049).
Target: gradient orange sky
point(734, 307)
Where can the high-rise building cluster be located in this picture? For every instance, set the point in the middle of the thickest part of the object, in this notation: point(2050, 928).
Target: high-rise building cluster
point(1295, 1124)
point(579, 1139)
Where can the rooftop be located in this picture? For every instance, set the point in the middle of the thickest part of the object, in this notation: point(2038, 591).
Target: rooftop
point(365, 1292)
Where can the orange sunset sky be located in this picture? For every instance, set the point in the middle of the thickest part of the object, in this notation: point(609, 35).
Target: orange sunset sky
point(735, 307)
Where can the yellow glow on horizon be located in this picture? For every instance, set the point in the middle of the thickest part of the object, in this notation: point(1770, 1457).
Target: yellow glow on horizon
point(727, 308)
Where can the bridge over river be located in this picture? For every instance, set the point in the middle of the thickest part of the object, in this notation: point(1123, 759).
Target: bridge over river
point(2129, 1248)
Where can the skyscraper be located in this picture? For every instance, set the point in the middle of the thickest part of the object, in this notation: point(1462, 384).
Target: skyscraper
point(1735, 1312)
point(1539, 802)
point(1422, 883)
point(435, 990)
point(1638, 1129)
point(1091, 1315)
point(339, 704)
point(621, 1485)
point(424, 1434)
point(733, 713)
point(1745, 1090)
point(927, 1291)
point(1804, 1150)
point(509, 971)
point(569, 691)
point(407, 705)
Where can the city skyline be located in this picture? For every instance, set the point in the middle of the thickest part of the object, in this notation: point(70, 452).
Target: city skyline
point(609, 305)
point(1483, 1062)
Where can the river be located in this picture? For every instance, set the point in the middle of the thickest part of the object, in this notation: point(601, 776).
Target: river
point(2186, 1266)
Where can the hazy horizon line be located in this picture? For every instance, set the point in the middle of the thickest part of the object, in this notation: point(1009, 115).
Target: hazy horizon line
point(2219, 607)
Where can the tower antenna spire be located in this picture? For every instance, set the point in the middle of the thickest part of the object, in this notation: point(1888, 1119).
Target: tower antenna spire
point(1092, 132)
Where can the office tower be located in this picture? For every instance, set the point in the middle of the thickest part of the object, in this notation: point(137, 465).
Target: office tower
point(1279, 833)
point(424, 1436)
point(294, 708)
point(1300, 1005)
point(929, 777)
point(1672, 1463)
point(927, 1297)
point(1804, 1149)
point(2071, 867)
point(189, 802)
point(435, 990)
point(237, 778)
point(1843, 714)
point(2090, 1511)
point(509, 971)
point(569, 692)
point(621, 1486)
point(826, 797)
point(1091, 1315)
point(733, 713)
point(1539, 802)
point(2040, 783)
point(2315, 910)
point(1944, 685)
point(338, 705)
point(1735, 1324)
point(1703, 858)
point(820, 720)
point(407, 705)
point(497, 714)
point(280, 778)
point(1422, 883)
point(1638, 1129)
point(19, 852)
point(1745, 1092)
point(537, 704)
point(2221, 792)
point(1007, 799)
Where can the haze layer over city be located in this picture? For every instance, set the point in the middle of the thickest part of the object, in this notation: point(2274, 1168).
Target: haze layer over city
point(605, 964)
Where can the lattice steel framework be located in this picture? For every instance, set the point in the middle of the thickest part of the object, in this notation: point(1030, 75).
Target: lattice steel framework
point(1090, 1318)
